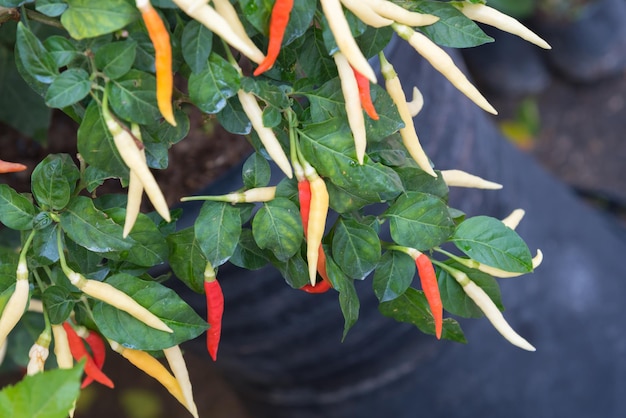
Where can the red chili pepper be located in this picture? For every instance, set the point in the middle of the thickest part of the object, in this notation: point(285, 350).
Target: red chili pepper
point(98, 351)
point(428, 278)
point(323, 285)
point(364, 94)
point(9, 167)
point(79, 351)
point(278, 24)
point(304, 195)
point(215, 311)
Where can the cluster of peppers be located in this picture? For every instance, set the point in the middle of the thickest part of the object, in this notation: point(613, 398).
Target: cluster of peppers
point(355, 73)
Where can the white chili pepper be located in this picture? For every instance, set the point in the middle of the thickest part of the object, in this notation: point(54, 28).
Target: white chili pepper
point(38, 354)
point(399, 14)
point(489, 308)
point(255, 195)
point(267, 136)
point(493, 271)
point(345, 41)
point(176, 361)
point(443, 63)
point(62, 350)
point(352, 100)
point(514, 218)
point(135, 190)
point(492, 17)
point(118, 299)
point(228, 12)
point(459, 178)
point(205, 14)
point(408, 133)
point(415, 106)
point(366, 14)
point(125, 144)
point(17, 303)
point(35, 305)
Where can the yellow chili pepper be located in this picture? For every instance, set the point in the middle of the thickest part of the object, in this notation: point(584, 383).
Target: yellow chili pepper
point(408, 134)
point(153, 368)
point(135, 189)
point(442, 62)
point(176, 361)
point(318, 210)
point(353, 107)
point(62, 347)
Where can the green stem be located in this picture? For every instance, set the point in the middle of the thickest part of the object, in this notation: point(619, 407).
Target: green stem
point(26, 246)
point(210, 198)
point(41, 18)
point(68, 271)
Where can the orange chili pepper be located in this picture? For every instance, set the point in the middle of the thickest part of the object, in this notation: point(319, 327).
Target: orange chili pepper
point(428, 278)
point(163, 58)
point(9, 167)
point(364, 95)
point(278, 24)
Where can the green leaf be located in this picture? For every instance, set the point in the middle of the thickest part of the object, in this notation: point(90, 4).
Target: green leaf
point(54, 180)
point(96, 146)
point(197, 43)
point(149, 248)
point(329, 147)
point(490, 242)
point(256, 171)
point(212, 87)
point(453, 29)
point(412, 308)
point(416, 179)
point(52, 8)
point(234, 119)
point(45, 251)
point(70, 87)
point(21, 106)
point(345, 200)
point(277, 227)
point(454, 298)
point(14, 3)
point(16, 211)
point(248, 255)
point(91, 18)
point(158, 299)
point(348, 298)
point(36, 60)
point(295, 270)
point(117, 58)
point(59, 303)
point(91, 228)
point(373, 40)
point(394, 275)
point(217, 230)
point(314, 59)
point(356, 248)
point(186, 259)
point(61, 50)
point(419, 220)
point(133, 97)
point(50, 394)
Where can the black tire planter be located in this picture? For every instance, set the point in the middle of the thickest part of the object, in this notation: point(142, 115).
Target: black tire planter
point(281, 348)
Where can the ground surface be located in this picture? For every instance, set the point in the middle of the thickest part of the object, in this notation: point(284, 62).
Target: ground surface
point(580, 140)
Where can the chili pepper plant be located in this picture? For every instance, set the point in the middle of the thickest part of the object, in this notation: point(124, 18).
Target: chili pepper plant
point(359, 202)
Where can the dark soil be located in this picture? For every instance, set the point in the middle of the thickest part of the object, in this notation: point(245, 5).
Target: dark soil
point(580, 141)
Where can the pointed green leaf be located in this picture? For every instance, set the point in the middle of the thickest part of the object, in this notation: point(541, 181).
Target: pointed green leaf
point(490, 242)
point(133, 97)
point(54, 180)
point(197, 43)
point(117, 58)
point(52, 8)
point(212, 87)
point(217, 229)
point(412, 307)
point(256, 171)
point(277, 227)
point(61, 50)
point(295, 270)
point(58, 302)
point(394, 275)
point(186, 259)
point(419, 220)
point(248, 255)
point(91, 228)
point(158, 299)
point(91, 18)
point(348, 298)
point(35, 59)
point(50, 394)
point(356, 248)
point(16, 211)
point(70, 87)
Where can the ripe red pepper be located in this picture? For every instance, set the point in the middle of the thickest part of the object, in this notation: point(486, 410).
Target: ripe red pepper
point(323, 285)
point(9, 167)
point(428, 278)
point(304, 195)
point(215, 311)
point(98, 351)
point(278, 24)
point(79, 351)
point(365, 95)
